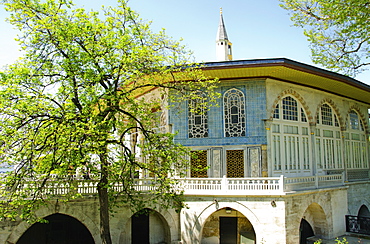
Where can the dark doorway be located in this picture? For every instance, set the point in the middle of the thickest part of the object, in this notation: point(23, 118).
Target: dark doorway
point(60, 229)
point(363, 212)
point(305, 231)
point(140, 228)
point(228, 230)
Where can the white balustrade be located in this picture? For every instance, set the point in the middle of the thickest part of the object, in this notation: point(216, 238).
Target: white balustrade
point(232, 186)
point(202, 186)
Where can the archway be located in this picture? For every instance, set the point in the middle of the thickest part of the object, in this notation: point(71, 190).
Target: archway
point(227, 226)
point(149, 226)
point(305, 231)
point(314, 218)
point(363, 212)
point(60, 229)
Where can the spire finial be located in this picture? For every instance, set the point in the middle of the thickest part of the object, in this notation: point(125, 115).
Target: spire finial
point(223, 45)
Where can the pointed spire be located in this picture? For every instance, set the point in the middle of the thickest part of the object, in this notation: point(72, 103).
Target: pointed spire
point(223, 45)
point(221, 32)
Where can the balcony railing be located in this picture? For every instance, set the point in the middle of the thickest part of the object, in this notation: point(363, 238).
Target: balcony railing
point(206, 186)
point(358, 224)
point(233, 186)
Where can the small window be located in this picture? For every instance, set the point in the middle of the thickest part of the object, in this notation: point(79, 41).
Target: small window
point(290, 109)
point(276, 112)
point(326, 115)
point(198, 117)
point(354, 121)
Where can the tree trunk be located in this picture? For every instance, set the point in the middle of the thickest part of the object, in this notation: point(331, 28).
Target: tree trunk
point(104, 204)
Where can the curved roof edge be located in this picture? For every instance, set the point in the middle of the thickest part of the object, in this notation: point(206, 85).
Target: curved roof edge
point(287, 63)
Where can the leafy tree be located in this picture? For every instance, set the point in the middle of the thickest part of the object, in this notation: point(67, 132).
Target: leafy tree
point(337, 30)
point(89, 81)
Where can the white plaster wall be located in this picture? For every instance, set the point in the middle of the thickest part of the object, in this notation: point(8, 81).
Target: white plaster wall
point(268, 221)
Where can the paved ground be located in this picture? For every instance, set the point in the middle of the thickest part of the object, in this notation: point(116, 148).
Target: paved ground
point(350, 239)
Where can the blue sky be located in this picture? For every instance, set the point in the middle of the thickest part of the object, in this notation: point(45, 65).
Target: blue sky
point(257, 28)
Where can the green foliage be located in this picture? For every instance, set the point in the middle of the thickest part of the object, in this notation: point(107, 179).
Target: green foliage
point(337, 30)
point(88, 82)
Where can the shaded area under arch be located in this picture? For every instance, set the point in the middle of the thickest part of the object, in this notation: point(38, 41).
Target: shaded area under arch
point(149, 226)
point(363, 212)
point(227, 226)
point(305, 231)
point(60, 229)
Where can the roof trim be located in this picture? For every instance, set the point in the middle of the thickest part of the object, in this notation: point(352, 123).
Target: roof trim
point(289, 64)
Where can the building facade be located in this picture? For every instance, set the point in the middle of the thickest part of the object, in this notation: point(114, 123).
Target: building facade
point(283, 156)
point(277, 118)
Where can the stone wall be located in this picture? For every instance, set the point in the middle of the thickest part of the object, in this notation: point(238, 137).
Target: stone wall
point(324, 210)
point(274, 219)
point(164, 222)
point(358, 195)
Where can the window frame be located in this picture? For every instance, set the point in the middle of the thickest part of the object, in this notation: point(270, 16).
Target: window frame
point(228, 115)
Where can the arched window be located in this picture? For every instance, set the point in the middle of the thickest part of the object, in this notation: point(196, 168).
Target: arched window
point(328, 139)
point(290, 145)
point(234, 113)
point(197, 117)
point(355, 142)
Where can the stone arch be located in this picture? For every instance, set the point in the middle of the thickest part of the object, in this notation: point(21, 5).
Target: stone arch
point(199, 220)
point(61, 227)
point(50, 209)
point(216, 226)
point(317, 218)
point(335, 109)
point(361, 116)
point(296, 95)
point(166, 220)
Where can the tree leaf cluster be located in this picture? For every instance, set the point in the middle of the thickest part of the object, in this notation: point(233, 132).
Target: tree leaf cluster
point(337, 30)
point(90, 95)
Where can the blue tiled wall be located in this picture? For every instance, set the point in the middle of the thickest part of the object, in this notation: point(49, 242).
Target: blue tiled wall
point(255, 95)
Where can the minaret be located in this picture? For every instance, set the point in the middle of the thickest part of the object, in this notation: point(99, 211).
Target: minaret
point(223, 45)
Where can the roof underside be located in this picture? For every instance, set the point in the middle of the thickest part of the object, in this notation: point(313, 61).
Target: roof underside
point(293, 72)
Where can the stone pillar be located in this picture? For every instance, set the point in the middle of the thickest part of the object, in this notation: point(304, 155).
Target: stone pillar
point(266, 167)
point(216, 154)
point(313, 148)
point(264, 161)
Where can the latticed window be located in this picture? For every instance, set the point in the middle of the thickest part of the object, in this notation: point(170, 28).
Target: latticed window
point(235, 163)
point(328, 140)
point(234, 113)
point(198, 117)
point(355, 143)
point(198, 164)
